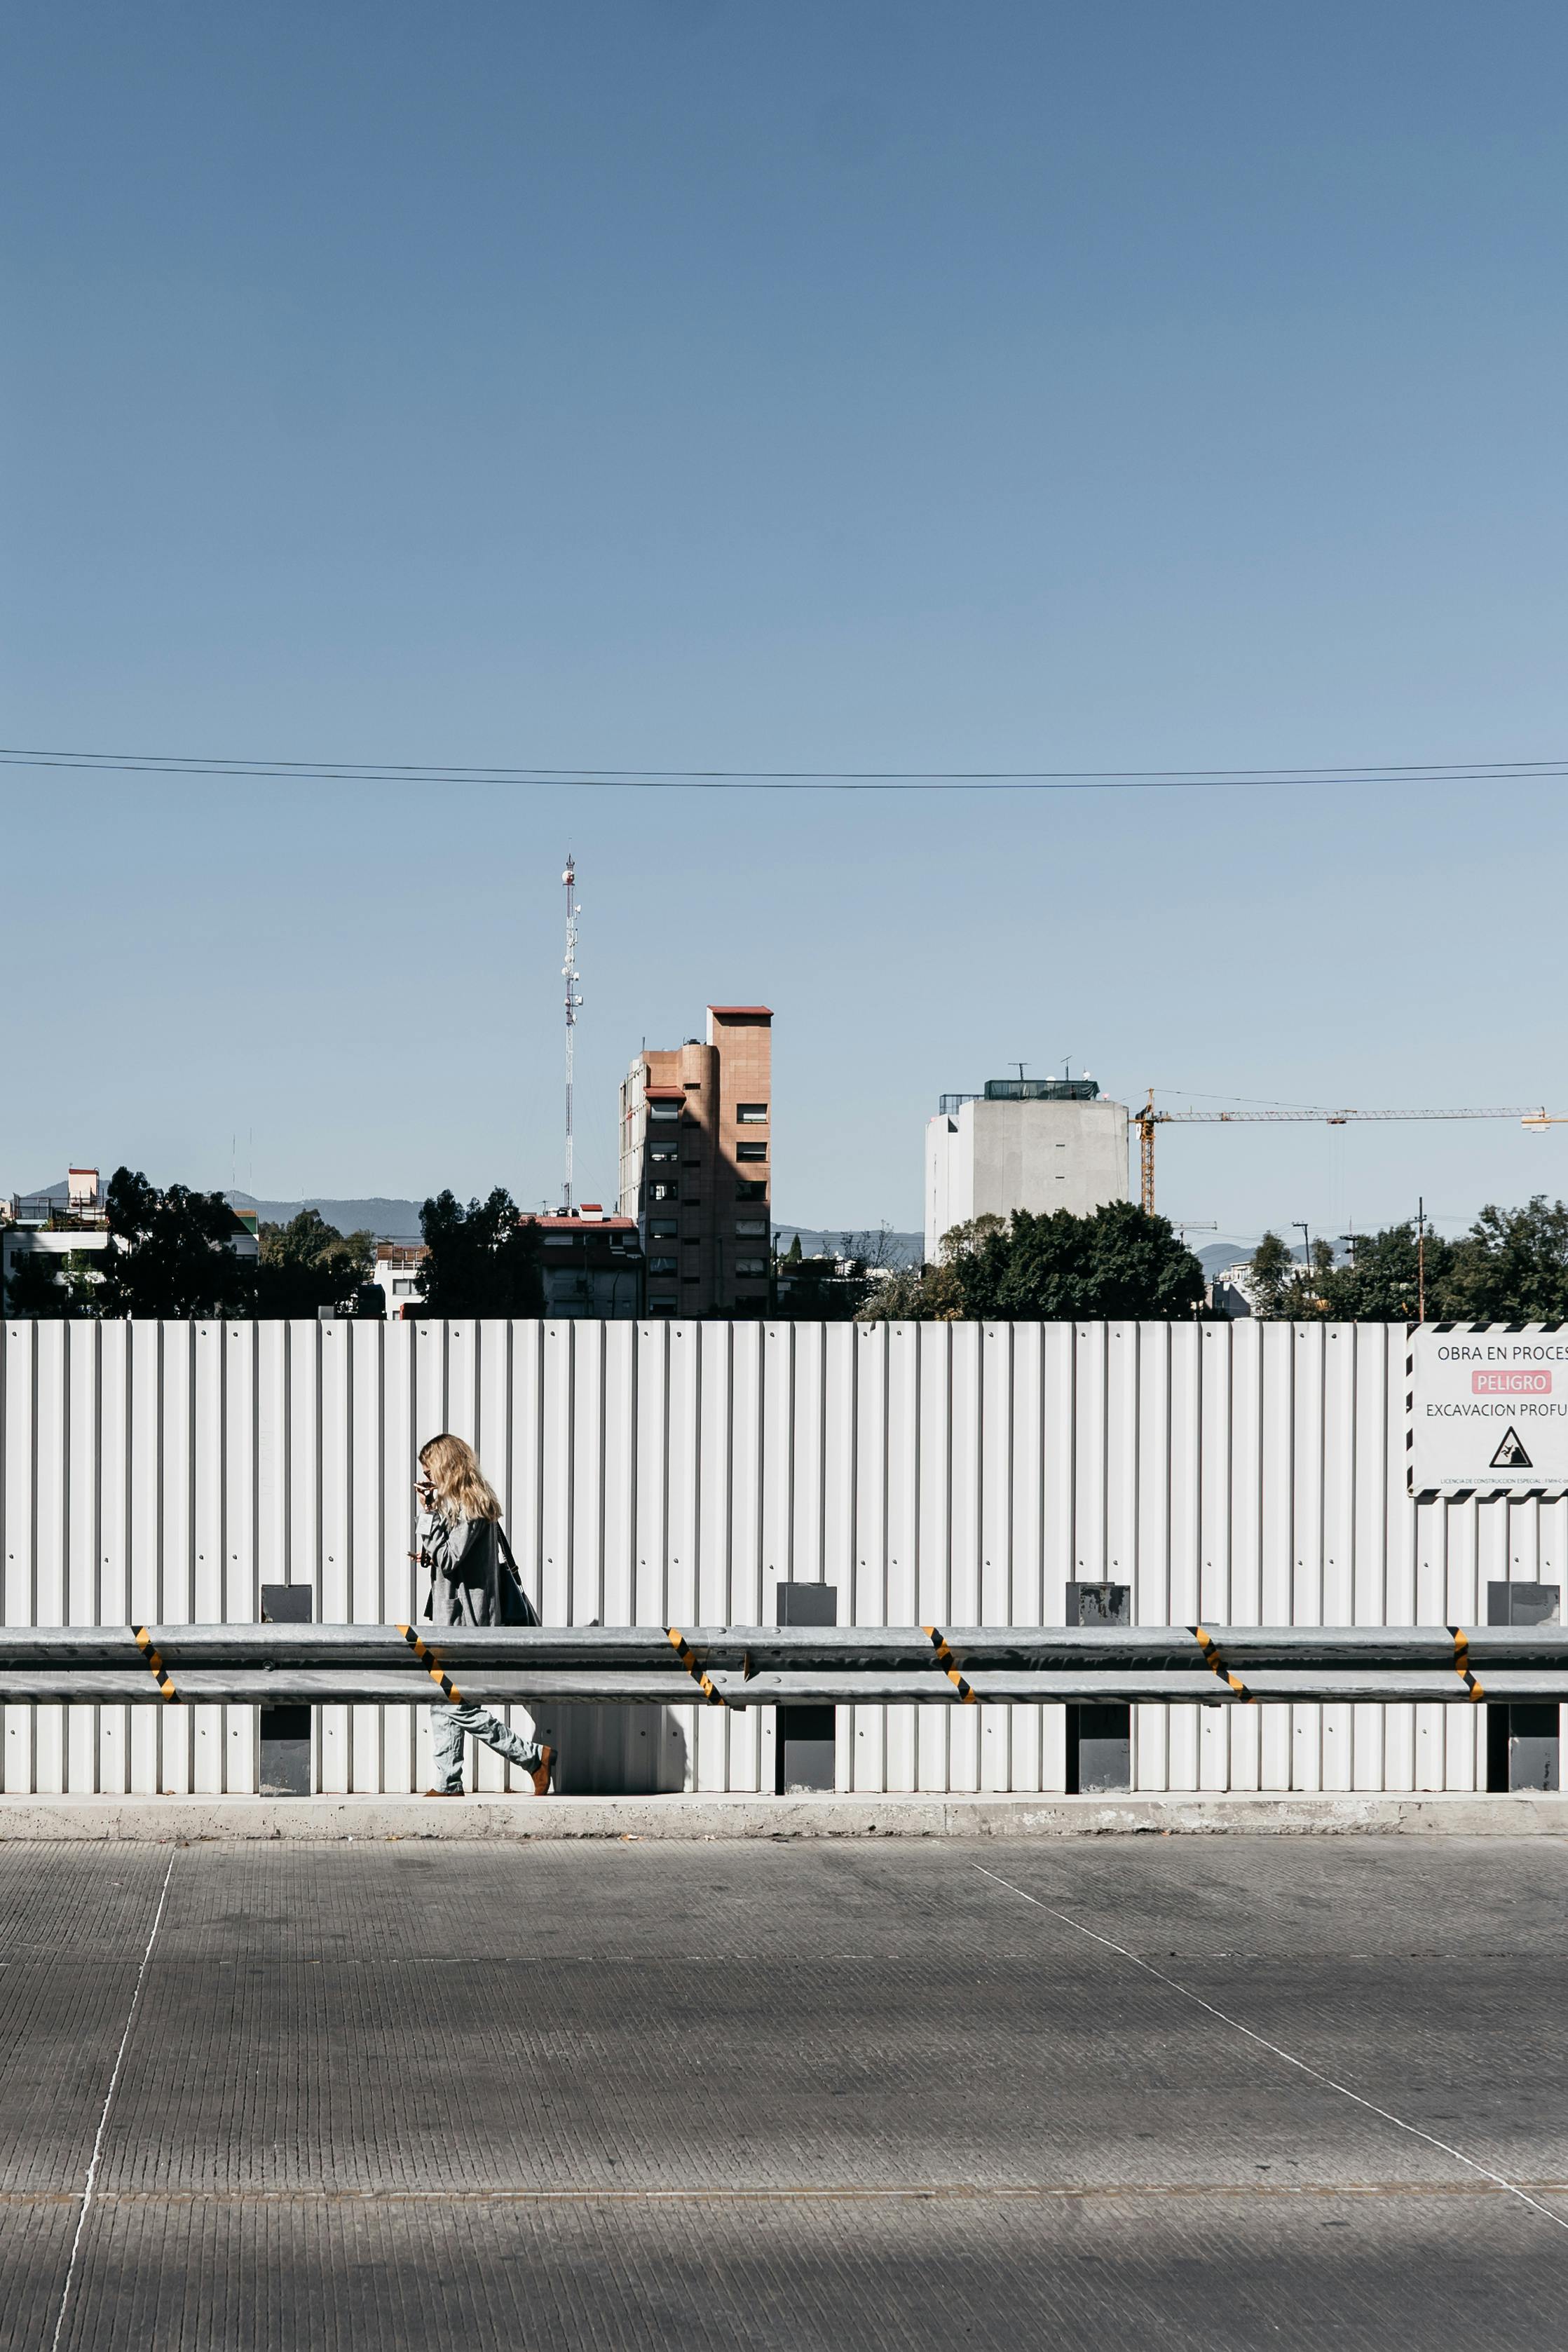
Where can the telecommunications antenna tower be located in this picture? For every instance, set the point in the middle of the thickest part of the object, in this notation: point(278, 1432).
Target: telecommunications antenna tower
point(569, 974)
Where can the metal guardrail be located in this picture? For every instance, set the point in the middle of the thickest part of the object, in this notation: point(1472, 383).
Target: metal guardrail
point(744, 1666)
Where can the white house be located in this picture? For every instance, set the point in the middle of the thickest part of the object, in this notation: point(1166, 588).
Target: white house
point(396, 1273)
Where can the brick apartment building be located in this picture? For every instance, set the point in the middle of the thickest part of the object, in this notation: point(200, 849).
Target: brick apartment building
point(695, 1165)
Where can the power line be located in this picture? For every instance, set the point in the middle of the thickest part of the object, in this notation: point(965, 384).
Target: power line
point(592, 779)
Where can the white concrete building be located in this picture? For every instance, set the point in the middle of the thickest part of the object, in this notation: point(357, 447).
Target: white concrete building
point(1230, 1290)
point(65, 1226)
point(1039, 1144)
point(396, 1274)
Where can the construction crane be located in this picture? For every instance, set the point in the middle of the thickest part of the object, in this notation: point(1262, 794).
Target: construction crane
point(1148, 1118)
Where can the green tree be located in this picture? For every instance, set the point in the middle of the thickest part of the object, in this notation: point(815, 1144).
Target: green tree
point(1380, 1283)
point(481, 1261)
point(1273, 1274)
point(794, 1254)
point(960, 1241)
point(307, 1263)
point(172, 1253)
point(1510, 1267)
point(48, 1289)
point(909, 1294)
point(1305, 1294)
point(1120, 1262)
point(932, 1293)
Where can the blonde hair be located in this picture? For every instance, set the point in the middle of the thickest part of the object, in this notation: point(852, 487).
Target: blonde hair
point(461, 1490)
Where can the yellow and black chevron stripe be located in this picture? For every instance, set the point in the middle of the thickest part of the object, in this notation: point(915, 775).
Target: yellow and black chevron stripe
point(160, 1672)
point(1462, 1663)
point(430, 1660)
point(693, 1666)
point(949, 1664)
point(1216, 1664)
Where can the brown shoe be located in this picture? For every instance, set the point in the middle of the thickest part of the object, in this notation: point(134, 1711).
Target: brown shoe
point(541, 1772)
point(447, 1792)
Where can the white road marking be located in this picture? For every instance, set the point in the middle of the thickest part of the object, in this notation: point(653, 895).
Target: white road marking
point(90, 2182)
point(1286, 2056)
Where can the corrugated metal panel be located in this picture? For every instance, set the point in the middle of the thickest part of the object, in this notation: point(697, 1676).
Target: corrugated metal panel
point(668, 1473)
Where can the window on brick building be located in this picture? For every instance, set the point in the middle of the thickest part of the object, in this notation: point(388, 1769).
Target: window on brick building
point(751, 1151)
point(751, 1114)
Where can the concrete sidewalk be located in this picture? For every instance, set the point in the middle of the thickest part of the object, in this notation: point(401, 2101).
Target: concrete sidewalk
point(487, 1819)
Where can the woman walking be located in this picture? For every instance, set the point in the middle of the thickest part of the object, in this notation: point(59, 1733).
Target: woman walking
point(470, 1584)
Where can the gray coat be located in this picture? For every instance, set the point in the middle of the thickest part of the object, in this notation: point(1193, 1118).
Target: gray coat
point(470, 1583)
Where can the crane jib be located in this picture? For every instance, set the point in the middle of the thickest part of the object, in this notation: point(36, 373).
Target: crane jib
point(1148, 1118)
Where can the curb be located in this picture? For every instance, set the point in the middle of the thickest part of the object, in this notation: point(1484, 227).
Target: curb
point(488, 1820)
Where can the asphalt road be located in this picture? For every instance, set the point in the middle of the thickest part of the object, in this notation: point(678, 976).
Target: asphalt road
point(785, 2095)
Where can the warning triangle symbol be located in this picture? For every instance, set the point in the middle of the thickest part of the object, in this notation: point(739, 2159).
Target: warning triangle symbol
point(1511, 1454)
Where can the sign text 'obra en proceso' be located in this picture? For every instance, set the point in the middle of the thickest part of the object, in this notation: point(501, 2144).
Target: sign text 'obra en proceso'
point(1489, 1407)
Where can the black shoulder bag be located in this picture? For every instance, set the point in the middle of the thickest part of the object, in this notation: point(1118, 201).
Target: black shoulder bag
point(513, 1606)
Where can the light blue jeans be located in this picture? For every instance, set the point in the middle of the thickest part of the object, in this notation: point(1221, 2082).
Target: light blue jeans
point(447, 1726)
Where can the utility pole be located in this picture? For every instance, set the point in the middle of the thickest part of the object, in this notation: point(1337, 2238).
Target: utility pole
point(569, 974)
point(1421, 1261)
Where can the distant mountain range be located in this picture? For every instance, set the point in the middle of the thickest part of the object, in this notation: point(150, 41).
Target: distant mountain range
point(389, 1221)
point(1219, 1254)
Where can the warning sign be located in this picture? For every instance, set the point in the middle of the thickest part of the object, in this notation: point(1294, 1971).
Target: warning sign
point(1489, 1408)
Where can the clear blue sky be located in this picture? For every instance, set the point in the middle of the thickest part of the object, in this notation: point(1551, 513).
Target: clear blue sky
point(680, 384)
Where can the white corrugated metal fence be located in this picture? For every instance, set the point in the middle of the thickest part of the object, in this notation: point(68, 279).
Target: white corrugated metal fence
point(674, 1473)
